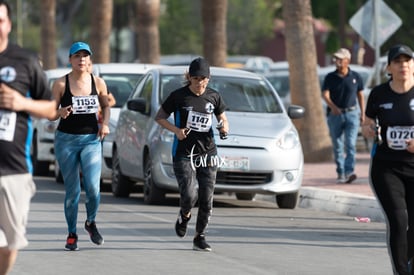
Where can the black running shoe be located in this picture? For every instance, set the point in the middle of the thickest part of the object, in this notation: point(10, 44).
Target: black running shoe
point(96, 238)
point(181, 225)
point(72, 242)
point(200, 244)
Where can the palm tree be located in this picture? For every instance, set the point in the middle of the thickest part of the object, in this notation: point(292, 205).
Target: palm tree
point(148, 13)
point(101, 27)
point(214, 13)
point(304, 83)
point(48, 34)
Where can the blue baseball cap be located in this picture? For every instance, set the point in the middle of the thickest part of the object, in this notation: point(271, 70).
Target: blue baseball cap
point(79, 46)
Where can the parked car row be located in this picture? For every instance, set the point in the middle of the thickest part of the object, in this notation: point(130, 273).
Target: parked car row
point(262, 155)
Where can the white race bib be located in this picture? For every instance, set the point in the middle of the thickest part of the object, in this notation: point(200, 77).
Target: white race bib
point(199, 122)
point(85, 104)
point(397, 136)
point(7, 125)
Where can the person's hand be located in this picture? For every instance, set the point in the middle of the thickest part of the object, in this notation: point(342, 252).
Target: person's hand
point(336, 111)
point(64, 112)
point(11, 99)
point(103, 131)
point(182, 133)
point(369, 130)
point(410, 145)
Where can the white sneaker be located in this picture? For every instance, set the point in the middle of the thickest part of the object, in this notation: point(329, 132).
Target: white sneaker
point(341, 179)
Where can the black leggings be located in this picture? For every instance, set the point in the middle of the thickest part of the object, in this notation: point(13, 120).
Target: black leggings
point(393, 183)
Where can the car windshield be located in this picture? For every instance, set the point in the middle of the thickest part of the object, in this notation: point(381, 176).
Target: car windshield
point(120, 86)
point(280, 83)
point(239, 94)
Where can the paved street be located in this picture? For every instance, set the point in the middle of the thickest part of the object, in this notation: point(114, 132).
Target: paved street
point(246, 237)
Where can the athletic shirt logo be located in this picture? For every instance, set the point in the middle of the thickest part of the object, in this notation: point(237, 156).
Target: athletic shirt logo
point(209, 108)
point(412, 104)
point(7, 74)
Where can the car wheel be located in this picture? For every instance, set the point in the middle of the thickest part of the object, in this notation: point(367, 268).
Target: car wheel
point(121, 185)
point(40, 168)
point(58, 173)
point(152, 194)
point(287, 201)
point(245, 196)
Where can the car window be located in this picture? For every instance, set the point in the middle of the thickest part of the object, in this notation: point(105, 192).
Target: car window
point(170, 83)
point(239, 94)
point(120, 86)
point(280, 83)
point(246, 95)
point(146, 93)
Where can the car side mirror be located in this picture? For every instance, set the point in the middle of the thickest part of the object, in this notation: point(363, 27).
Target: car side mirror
point(137, 105)
point(296, 111)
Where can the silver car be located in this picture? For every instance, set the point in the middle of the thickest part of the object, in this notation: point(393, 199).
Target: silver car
point(262, 153)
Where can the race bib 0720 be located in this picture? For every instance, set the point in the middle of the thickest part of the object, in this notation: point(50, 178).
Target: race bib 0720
point(398, 135)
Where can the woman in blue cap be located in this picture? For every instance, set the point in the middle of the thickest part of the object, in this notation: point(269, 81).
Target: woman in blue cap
point(79, 95)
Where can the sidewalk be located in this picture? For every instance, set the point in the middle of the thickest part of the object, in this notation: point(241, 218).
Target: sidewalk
point(321, 192)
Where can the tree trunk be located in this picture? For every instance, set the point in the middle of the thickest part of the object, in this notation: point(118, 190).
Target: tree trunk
point(304, 83)
point(214, 14)
point(148, 14)
point(48, 34)
point(101, 27)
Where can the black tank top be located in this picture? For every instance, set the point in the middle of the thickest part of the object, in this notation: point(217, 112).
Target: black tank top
point(77, 124)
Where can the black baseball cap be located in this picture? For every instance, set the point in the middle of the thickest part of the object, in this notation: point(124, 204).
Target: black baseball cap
point(199, 67)
point(398, 50)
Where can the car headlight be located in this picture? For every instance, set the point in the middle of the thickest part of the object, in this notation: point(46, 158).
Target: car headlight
point(289, 140)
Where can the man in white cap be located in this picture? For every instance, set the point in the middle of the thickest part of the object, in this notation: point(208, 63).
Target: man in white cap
point(341, 90)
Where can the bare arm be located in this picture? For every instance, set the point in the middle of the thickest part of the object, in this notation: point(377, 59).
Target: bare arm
point(222, 117)
point(105, 108)
point(361, 102)
point(13, 100)
point(162, 119)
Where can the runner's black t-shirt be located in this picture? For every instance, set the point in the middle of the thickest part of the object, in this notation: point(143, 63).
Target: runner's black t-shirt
point(196, 113)
point(21, 70)
point(395, 114)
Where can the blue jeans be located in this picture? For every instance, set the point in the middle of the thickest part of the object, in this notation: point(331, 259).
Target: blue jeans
point(343, 130)
point(84, 152)
point(186, 178)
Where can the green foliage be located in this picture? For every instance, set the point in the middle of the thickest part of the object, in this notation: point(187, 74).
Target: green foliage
point(180, 27)
point(248, 24)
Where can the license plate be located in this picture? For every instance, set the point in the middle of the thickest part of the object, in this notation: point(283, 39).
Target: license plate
point(235, 164)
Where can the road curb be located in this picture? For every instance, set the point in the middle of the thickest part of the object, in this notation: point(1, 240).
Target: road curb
point(341, 202)
point(346, 203)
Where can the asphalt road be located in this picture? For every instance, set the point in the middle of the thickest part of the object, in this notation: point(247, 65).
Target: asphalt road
point(246, 237)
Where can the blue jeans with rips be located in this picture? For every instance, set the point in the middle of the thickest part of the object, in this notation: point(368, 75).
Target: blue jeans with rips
point(186, 174)
point(343, 130)
point(75, 153)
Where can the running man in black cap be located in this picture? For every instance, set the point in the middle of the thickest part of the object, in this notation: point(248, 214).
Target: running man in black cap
point(194, 106)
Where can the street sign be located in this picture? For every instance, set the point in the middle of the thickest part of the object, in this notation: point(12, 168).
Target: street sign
point(364, 20)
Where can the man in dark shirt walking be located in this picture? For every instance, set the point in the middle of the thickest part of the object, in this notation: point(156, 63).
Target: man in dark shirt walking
point(341, 90)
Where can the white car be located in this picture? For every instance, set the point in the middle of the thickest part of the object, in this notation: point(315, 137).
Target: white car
point(44, 133)
point(262, 153)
